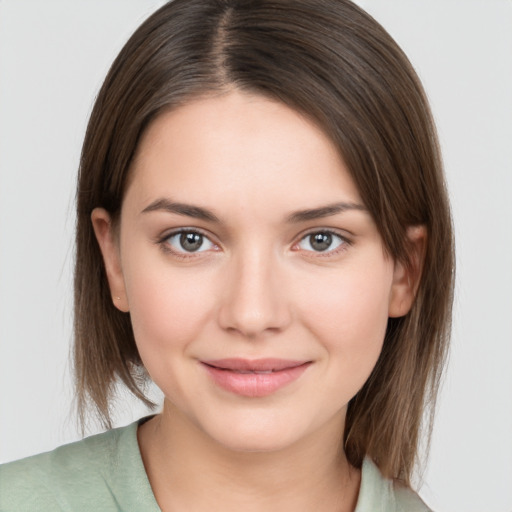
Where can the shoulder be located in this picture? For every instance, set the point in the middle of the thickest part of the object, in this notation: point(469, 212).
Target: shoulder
point(50, 480)
point(93, 472)
point(378, 494)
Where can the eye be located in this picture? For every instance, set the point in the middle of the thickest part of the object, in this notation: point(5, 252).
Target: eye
point(321, 241)
point(187, 241)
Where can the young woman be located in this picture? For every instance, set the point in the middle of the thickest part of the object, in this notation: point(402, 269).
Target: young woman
point(263, 230)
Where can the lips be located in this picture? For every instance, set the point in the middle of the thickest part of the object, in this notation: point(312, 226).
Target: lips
point(254, 378)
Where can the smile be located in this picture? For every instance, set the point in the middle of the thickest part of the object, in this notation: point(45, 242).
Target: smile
point(254, 378)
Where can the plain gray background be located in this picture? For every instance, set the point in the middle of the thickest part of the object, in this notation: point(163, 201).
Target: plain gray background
point(53, 57)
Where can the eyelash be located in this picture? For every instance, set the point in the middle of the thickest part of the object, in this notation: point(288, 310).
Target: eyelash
point(163, 242)
point(344, 244)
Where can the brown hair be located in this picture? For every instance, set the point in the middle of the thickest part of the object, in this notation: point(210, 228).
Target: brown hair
point(331, 61)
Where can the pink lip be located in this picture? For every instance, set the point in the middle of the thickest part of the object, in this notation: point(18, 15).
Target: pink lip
point(244, 377)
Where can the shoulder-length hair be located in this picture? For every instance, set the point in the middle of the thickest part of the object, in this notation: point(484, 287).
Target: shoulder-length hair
point(334, 63)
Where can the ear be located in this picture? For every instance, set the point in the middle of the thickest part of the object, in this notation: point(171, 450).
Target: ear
point(406, 277)
point(109, 246)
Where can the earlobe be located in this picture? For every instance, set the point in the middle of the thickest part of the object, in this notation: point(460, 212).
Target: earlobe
point(104, 231)
point(406, 277)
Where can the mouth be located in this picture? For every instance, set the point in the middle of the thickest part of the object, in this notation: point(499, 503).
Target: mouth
point(254, 378)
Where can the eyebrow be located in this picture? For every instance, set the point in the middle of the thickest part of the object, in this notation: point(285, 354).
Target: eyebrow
point(181, 209)
point(323, 211)
point(198, 212)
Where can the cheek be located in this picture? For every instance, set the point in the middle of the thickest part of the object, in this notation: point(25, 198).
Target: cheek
point(348, 314)
point(168, 307)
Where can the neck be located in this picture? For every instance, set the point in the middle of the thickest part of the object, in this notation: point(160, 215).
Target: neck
point(190, 471)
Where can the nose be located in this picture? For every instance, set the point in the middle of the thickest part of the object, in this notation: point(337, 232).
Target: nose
point(255, 301)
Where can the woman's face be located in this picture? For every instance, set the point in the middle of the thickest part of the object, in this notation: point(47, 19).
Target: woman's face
point(255, 279)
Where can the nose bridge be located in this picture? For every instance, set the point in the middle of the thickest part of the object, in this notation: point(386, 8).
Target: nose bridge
point(255, 301)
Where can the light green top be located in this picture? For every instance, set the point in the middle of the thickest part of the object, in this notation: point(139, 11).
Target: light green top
point(105, 473)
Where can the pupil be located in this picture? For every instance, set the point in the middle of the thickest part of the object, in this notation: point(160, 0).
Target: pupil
point(321, 241)
point(191, 241)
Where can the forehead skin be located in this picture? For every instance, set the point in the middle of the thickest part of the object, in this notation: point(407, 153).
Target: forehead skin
point(257, 165)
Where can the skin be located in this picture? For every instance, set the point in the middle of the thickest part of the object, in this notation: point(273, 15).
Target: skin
point(256, 288)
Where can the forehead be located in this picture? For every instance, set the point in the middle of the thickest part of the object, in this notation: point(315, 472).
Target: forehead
point(239, 146)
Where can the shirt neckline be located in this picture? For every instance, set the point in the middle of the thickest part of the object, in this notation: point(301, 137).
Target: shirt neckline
point(375, 492)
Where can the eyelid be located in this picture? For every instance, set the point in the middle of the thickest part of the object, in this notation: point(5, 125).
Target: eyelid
point(347, 242)
point(162, 241)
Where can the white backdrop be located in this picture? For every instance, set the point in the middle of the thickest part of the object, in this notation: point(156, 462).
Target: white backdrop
point(53, 57)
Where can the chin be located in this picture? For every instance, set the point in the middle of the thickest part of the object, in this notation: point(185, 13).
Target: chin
point(256, 443)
